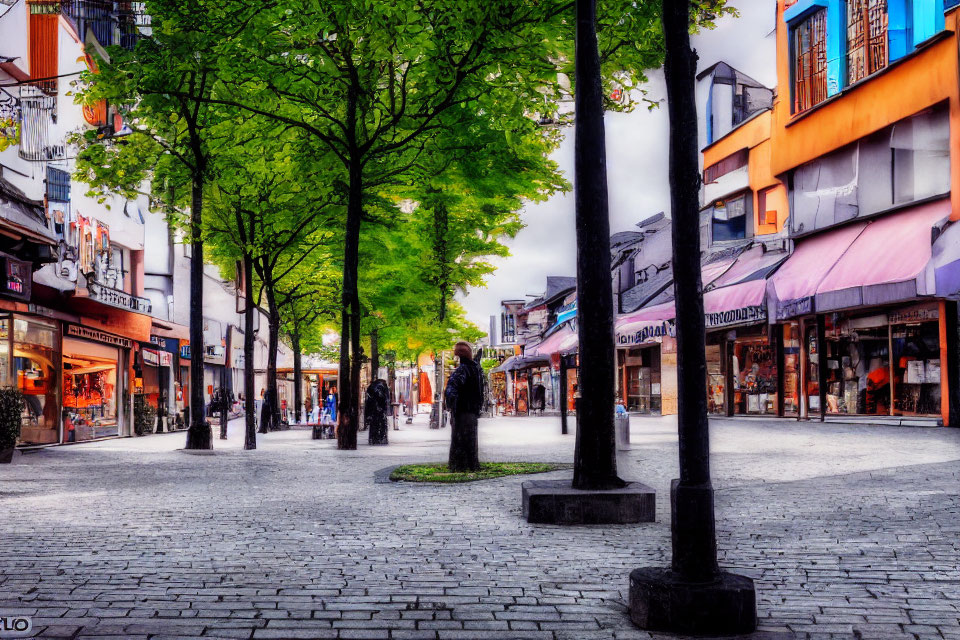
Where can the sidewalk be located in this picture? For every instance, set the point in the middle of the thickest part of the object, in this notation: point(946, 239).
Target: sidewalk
point(847, 529)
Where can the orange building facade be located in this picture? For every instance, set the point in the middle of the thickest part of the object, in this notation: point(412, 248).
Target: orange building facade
point(852, 172)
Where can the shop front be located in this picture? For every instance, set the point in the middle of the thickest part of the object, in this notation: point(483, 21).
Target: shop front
point(94, 375)
point(30, 359)
point(883, 364)
point(876, 337)
point(742, 371)
point(646, 360)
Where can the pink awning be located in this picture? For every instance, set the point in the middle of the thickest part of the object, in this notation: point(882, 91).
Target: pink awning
point(885, 262)
point(794, 285)
point(563, 341)
point(736, 296)
point(644, 317)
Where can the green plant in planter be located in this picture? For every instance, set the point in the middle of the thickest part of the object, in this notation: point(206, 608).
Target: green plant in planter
point(144, 415)
point(11, 410)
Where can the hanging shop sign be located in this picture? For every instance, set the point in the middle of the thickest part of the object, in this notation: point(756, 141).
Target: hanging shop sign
point(17, 278)
point(150, 357)
point(185, 349)
point(117, 298)
point(751, 314)
point(919, 313)
point(649, 333)
point(166, 359)
point(79, 331)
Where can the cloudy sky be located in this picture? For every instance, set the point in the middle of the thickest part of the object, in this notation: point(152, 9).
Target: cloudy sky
point(636, 168)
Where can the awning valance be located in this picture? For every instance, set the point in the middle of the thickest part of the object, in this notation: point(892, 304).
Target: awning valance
point(887, 261)
point(563, 341)
point(513, 363)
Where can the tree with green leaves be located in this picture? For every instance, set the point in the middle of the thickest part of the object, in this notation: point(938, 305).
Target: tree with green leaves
point(162, 90)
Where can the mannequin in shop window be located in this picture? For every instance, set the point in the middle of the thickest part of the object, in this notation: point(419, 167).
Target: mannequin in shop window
point(69, 429)
point(878, 388)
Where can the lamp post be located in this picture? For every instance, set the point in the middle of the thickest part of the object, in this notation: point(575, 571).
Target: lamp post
point(693, 596)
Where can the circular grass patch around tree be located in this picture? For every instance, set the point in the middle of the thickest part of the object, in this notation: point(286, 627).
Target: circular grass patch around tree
point(439, 472)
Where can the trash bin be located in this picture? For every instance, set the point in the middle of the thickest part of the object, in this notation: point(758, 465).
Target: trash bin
point(622, 422)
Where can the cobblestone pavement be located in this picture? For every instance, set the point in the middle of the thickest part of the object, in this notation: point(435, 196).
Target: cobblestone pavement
point(849, 531)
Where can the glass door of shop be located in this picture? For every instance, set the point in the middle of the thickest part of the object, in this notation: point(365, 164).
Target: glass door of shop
point(90, 390)
point(36, 359)
point(643, 380)
point(791, 369)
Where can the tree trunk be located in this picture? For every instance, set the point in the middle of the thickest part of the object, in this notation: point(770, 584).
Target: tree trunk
point(199, 435)
point(349, 380)
point(249, 385)
point(693, 525)
point(343, 377)
point(273, 345)
point(595, 460)
point(297, 374)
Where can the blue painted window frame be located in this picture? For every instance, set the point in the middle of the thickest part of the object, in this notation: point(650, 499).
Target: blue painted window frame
point(909, 24)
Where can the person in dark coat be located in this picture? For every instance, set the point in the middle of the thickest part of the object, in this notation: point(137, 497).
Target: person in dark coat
point(464, 400)
point(375, 411)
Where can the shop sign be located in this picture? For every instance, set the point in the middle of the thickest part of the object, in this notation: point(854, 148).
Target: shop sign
point(751, 314)
point(150, 357)
point(166, 359)
point(793, 308)
point(79, 331)
point(920, 313)
point(159, 341)
point(17, 278)
point(185, 349)
point(116, 298)
point(667, 328)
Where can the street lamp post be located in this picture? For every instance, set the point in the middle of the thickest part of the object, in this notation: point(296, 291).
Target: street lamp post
point(693, 596)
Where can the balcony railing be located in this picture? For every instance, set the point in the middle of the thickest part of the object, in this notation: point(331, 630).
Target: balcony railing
point(38, 111)
point(112, 23)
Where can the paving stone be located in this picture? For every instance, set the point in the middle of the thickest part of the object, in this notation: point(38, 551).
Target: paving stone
point(847, 530)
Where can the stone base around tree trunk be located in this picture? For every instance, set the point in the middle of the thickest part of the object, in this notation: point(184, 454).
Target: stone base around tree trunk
point(557, 502)
point(661, 601)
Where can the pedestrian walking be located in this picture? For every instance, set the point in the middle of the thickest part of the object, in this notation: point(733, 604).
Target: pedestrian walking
point(464, 400)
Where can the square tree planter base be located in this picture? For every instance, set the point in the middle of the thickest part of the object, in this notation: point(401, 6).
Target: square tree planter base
point(661, 601)
point(556, 502)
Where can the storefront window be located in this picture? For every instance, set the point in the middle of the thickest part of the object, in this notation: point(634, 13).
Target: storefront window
point(716, 377)
point(791, 369)
point(539, 379)
point(813, 371)
point(858, 366)
point(916, 370)
point(754, 375)
point(35, 364)
point(642, 370)
point(89, 390)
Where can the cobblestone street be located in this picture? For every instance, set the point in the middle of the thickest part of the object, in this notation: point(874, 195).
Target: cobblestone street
point(849, 531)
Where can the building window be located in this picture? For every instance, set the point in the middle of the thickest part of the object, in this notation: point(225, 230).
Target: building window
point(810, 61)
point(728, 165)
point(867, 50)
point(58, 185)
point(921, 157)
point(509, 328)
point(730, 219)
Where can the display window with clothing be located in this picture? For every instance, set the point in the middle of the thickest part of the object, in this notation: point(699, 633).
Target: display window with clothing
point(29, 361)
point(90, 374)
